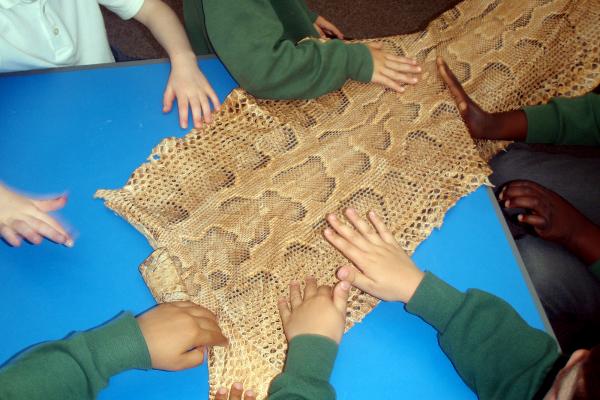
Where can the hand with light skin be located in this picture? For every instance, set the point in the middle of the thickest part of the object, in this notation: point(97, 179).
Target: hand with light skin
point(381, 267)
point(25, 218)
point(553, 218)
point(186, 82)
point(320, 311)
point(326, 28)
point(511, 125)
point(236, 393)
point(177, 334)
point(392, 71)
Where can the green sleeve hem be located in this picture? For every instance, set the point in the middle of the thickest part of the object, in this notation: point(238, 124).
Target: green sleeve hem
point(435, 301)
point(595, 269)
point(360, 62)
point(313, 15)
point(119, 346)
point(311, 356)
point(542, 122)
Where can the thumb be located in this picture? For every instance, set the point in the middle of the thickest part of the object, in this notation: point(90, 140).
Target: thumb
point(192, 358)
point(54, 204)
point(168, 98)
point(376, 45)
point(341, 291)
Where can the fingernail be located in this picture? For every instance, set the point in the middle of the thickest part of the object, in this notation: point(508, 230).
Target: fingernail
point(238, 386)
point(327, 231)
point(343, 273)
point(222, 391)
point(520, 217)
point(250, 393)
point(419, 69)
point(507, 204)
point(414, 80)
point(69, 243)
point(345, 285)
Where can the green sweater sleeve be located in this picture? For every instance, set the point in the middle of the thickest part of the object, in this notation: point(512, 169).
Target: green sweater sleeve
point(307, 370)
point(311, 14)
point(249, 38)
point(574, 121)
point(77, 367)
point(493, 349)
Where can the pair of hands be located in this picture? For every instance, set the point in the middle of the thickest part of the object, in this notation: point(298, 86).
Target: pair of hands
point(381, 268)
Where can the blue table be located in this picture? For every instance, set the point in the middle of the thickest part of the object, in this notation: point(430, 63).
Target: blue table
point(81, 129)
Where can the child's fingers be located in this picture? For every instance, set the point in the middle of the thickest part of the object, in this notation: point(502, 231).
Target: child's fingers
point(10, 236)
point(351, 274)
point(47, 205)
point(399, 77)
point(221, 394)
point(537, 221)
point(213, 98)
point(456, 89)
point(212, 337)
point(42, 216)
point(197, 311)
point(341, 291)
point(249, 395)
point(192, 358)
point(196, 112)
point(406, 61)
point(310, 289)
point(206, 109)
point(363, 226)
point(168, 98)
point(383, 231)
point(324, 290)
point(236, 391)
point(347, 249)
point(376, 45)
point(348, 233)
point(46, 230)
point(406, 67)
point(531, 203)
point(334, 30)
point(284, 310)
point(182, 104)
point(23, 229)
point(295, 294)
point(389, 83)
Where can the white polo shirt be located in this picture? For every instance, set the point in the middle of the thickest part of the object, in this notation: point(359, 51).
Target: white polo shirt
point(52, 33)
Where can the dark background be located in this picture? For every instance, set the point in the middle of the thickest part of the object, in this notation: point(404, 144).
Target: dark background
point(357, 19)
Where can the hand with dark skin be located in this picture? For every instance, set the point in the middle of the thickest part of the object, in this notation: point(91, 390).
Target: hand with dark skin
point(510, 125)
point(553, 218)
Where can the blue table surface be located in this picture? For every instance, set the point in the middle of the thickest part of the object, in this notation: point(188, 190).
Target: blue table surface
point(80, 130)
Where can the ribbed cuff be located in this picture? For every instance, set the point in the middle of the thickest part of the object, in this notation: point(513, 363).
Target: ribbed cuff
point(311, 356)
point(360, 62)
point(542, 122)
point(435, 301)
point(119, 345)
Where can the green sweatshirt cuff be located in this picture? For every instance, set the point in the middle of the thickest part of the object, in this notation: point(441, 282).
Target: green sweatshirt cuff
point(360, 62)
point(542, 122)
point(311, 356)
point(435, 301)
point(595, 269)
point(313, 15)
point(119, 346)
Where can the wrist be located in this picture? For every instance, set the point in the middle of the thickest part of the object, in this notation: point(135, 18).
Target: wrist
point(411, 286)
point(584, 242)
point(509, 125)
point(183, 57)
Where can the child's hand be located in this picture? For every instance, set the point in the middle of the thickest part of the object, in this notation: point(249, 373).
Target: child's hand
point(510, 125)
point(392, 71)
point(326, 28)
point(382, 268)
point(237, 389)
point(553, 218)
point(190, 87)
point(177, 333)
point(322, 311)
point(26, 218)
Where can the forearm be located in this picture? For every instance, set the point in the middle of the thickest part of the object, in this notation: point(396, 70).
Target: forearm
point(570, 121)
point(510, 125)
point(160, 19)
point(307, 369)
point(479, 333)
point(77, 367)
point(585, 243)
